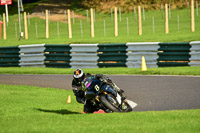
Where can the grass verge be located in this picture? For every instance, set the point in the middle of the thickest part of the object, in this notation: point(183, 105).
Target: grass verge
point(119, 70)
point(35, 109)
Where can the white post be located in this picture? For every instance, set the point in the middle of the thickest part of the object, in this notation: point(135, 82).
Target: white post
point(19, 19)
point(92, 22)
point(69, 23)
point(166, 19)
point(192, 16)
point(6, 7)
point(116, 22)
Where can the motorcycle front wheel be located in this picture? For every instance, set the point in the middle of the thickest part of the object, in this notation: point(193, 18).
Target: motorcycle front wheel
point(110, 102)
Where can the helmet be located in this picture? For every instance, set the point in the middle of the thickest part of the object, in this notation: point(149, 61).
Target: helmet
point(79, 75)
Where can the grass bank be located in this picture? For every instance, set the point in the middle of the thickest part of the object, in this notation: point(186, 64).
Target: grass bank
point(119, 70)
point(35, 109)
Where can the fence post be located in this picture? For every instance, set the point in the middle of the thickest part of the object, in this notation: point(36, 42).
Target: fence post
point(192, 16)
point(4, 26)
point(69, 24)
point(139, 20)
point(166, 19)
point(47, 24)
point(92, 22)
point(25, 26)
point(116, 24)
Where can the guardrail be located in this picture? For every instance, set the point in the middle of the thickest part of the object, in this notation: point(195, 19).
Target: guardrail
point(174, 54)
point(9, 56)
point(135, 52)
point(83, 56)
point(112, 55)
point(102, 55)
point(195, 53)
point(57, 55)
point(32, 55)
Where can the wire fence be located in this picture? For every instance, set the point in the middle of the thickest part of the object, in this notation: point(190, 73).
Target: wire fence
point(153, 22)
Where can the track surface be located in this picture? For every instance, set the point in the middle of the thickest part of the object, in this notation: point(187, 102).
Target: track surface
point(149, 92)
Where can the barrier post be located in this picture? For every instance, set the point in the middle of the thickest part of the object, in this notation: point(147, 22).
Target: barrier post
point(192, 16)
point(47, 24)
point(4, 27)
point(0, 28)
point(92, 22)
point(166, 19)
point(69, 23)
point(116, 24)
point(139, 21)
point(25, 26)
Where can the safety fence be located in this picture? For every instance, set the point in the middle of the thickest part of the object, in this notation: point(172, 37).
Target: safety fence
point(102, 55)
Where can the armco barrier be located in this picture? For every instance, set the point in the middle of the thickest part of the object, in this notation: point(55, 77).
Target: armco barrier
point(57, 55)
point(83, 55)
point(9, 56)
point(195, 53)
point(32, 55)
point(112, 55)
point(102, 55)
point(135, 52)
point(173, 54)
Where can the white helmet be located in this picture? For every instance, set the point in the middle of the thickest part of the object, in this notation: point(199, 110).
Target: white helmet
point(79, 75)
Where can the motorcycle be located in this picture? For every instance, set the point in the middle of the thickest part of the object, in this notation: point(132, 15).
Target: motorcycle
point(105, 97)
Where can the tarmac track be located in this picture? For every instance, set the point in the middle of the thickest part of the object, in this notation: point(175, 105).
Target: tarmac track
point(151, 93)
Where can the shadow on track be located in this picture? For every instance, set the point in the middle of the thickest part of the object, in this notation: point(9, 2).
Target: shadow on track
point(61, 112)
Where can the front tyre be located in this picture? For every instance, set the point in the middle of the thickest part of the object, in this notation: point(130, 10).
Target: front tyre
point(110, 102)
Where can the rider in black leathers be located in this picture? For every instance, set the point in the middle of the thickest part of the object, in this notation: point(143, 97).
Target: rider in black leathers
point(79, 76)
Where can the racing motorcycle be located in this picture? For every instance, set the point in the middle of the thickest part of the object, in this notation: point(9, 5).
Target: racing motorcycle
point(105, 97)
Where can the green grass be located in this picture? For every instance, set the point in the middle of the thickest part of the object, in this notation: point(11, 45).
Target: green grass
point(184, 34)
point(120, 70)
point(34, 109)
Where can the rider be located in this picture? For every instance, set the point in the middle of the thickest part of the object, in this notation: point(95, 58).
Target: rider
point(79, 76)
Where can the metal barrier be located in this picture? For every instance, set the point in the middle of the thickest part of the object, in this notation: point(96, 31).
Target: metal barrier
point(9, 56)
point(195, 53)
point(32, 55)
point(83, 55)
point(57, 55)
point(135, 52)
point(112, 55)
point(173, 54)
point(102, 55)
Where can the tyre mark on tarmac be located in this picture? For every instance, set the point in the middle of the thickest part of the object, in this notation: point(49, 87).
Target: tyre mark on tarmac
point(149, 92)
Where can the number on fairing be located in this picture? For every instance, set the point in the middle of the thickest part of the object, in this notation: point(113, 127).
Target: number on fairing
point(96, 87)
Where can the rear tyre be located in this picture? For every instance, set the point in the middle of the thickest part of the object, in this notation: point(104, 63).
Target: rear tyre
point(109, 104)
